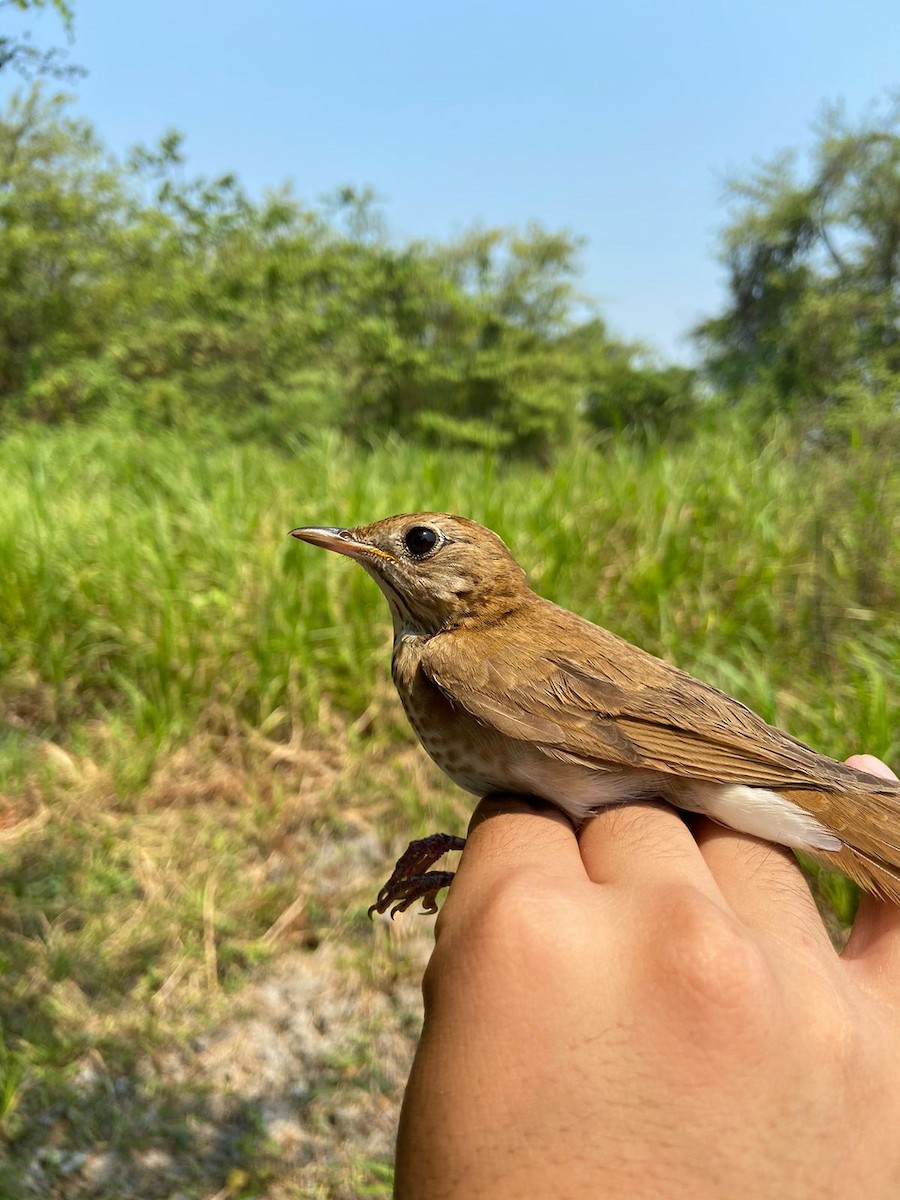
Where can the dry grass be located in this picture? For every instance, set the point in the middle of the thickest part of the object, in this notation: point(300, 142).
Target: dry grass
point(141, 1059)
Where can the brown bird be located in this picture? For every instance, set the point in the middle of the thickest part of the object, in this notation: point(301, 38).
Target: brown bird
point(508, 692)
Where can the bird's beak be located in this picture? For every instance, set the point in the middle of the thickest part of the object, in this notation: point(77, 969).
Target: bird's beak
point(340, 540)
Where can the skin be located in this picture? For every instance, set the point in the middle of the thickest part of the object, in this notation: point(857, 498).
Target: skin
point(649, 1009)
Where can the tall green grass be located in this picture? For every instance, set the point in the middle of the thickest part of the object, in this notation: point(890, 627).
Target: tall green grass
point(145, 582)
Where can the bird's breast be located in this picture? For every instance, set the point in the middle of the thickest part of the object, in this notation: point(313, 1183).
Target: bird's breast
point(475, 757)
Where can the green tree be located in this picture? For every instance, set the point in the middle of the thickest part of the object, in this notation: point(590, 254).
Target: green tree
point(627, 391)
point(18, 54)
point(813, 265)
point(133, 290)
point(62, 227)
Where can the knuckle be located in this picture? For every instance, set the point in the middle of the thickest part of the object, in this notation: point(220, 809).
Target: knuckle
point(526, 908)
point(715, 966)
point(522, 918)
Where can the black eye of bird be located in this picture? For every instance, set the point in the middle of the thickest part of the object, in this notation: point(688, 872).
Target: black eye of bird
point(419, 540)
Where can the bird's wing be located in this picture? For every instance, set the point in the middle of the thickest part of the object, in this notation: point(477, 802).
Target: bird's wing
point(616, 707)
point(627, 709)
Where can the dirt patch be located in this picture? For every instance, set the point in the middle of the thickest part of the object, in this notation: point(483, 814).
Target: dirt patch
point(294, 1091)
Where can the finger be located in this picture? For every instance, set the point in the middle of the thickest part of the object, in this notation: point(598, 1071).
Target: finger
point(874, 942)
point(763, 885)
point(643, 844)
point(868, 762)
point(508, 833)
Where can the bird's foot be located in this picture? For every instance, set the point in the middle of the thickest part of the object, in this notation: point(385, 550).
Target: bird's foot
point(411, 879)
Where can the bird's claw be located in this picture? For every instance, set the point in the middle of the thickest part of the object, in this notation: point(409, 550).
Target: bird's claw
point(406, 891)
point(411, 879)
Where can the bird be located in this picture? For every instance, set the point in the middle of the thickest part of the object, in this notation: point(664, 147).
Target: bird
point(509, 692)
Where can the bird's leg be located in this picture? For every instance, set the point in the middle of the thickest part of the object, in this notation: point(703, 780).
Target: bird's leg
point(412, 880)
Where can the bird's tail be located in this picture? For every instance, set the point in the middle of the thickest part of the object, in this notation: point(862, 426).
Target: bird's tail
point(873, 874)
point(870, 855)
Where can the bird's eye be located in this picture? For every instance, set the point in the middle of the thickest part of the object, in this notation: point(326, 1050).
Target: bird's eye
point(419, 540)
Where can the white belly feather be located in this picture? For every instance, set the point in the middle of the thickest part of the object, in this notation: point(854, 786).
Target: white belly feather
point(579, 791)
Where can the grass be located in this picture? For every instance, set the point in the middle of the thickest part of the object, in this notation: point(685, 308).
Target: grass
point(204, 773)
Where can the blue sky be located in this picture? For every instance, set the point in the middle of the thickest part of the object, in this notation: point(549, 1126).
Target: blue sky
point(618, 122)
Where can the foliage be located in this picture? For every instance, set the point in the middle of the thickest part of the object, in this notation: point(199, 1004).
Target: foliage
point(133, 291)
point(814, 272)
point(19, 55)
point(626, 391)
point(146, 578)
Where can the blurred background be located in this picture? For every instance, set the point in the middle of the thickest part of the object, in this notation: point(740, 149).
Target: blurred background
point(621, 283)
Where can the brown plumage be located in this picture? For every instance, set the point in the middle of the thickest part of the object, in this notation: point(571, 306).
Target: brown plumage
point(509, 692)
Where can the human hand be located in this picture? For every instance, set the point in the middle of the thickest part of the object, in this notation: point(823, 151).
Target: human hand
point(649, 1011)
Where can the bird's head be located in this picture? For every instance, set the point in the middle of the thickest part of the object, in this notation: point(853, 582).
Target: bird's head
point(437, 571)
